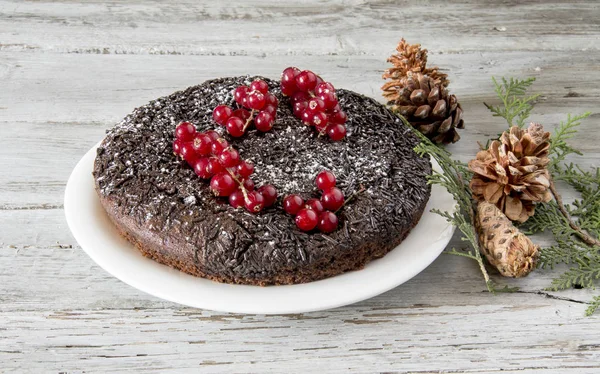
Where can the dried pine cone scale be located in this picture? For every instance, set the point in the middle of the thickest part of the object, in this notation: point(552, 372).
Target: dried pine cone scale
point(512, 173)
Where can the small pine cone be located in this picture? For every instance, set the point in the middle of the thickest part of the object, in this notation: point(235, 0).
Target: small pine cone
point(505, 247)
point(427, 106)
point(411, 58)
point(512, 172)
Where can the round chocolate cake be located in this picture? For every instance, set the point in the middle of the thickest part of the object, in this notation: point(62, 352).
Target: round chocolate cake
point(158, 203)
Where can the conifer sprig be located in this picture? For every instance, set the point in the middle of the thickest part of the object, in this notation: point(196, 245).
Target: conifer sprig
point(454, 178)
point(559, 148)
point(573, 226)
point(515, 103)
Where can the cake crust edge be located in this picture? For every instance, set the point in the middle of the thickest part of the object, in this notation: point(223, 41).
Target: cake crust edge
point(149, 244)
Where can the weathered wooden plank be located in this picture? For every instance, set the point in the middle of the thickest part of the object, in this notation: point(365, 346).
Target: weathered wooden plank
point(372, 338)
point(266, 28)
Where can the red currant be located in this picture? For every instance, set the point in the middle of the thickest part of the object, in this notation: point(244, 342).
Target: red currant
point(290, 74)
point(218, 146)
point(299, 107)
point(235, 127)
point(202, 144)
point(188, 153)
point(321, 128)
point(263, 121)
point(255, 202)
point(245, 169)
point(248, 184)
point(240, 95)
point(212, 134)
point(306, 81)
point(221, 114)
point(324, 87)
point(332, 199)
point(319, 80)
point(229, 157)
point(328, 222)
point(222, 184)
point(269, 193)
point(336, 132)
point(177, 147)
point(270, 109)
point(236, 199)
point(325, 180)
point(306, 219)
point(256, 100)
point(241, 113)
point(329, 99)
point(320, 120)
point(292, 204)
point(338, 117)
point(214, 166)
point(300, 96)
point(288, 81)
point(272, 100)
point(259, 85)
point(316, 105)
point(201, 168)
point(315, 205)
point(185, 131)
point(307, 117)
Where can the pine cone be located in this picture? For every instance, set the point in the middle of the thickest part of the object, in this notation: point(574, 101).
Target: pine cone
point(504, 246)
point(512, 172)
point(428, 106)
point(411, 58)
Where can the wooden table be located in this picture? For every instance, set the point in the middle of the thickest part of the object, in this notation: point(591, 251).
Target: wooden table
point(69, 71)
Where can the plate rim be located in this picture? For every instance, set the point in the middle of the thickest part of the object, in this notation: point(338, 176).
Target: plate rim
point(73, 217)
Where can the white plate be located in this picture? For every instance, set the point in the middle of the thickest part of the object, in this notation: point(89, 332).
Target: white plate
point(97, 236)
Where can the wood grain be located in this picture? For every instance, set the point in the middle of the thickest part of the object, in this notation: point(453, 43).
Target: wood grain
point(71, 70)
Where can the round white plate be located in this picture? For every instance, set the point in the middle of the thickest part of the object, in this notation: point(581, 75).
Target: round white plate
point(97, 236)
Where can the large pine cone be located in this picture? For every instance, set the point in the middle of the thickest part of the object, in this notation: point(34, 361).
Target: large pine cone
point(427, 105)
point(512, 173)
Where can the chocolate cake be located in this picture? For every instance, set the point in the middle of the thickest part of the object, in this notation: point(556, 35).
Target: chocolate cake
point(157, 202)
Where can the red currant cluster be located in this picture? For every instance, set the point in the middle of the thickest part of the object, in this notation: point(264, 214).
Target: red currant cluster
point(314, 102)
point(257, 98)
point(315, 213)
point(213, 158)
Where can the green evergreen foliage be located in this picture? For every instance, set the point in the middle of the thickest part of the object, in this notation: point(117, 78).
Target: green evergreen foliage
point(575, 227)
point(515, 103)
point(582, 217)
point(455, 178)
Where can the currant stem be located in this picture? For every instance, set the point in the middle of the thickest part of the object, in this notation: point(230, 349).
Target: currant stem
point(587, 238)
point(249, 120)
point(241, 184)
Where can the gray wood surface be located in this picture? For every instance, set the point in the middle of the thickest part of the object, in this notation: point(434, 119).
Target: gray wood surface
point(71, 70)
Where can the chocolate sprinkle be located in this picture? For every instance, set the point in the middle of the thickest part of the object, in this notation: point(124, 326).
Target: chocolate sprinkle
point(158, 202)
